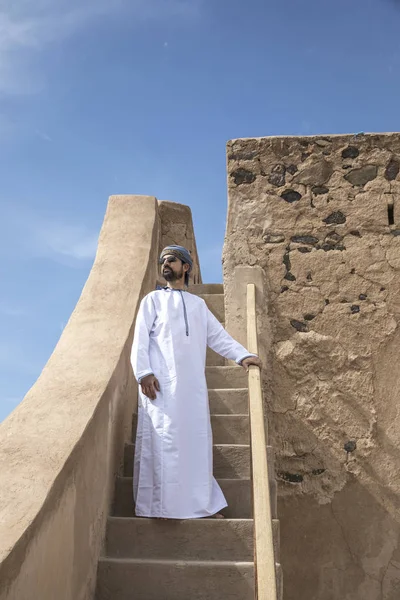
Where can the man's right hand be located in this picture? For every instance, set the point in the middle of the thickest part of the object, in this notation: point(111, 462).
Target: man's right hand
point(150, 386)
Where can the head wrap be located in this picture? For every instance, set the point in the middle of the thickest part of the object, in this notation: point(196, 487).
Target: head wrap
point(180, 252)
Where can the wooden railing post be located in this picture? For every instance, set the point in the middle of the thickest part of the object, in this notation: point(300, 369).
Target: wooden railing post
point(263, 537)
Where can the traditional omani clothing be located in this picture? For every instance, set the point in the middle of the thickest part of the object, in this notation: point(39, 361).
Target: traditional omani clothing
point(173, 467)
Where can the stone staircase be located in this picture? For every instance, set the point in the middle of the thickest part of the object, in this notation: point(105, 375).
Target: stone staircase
point(199, 559)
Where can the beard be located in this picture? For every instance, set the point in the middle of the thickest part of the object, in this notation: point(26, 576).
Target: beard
point(170, 275)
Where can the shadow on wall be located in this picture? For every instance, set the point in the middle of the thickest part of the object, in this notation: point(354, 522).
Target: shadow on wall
point(353, 552)
point(342, 528)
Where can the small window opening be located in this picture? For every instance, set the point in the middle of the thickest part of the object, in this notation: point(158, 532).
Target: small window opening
point(390, 208)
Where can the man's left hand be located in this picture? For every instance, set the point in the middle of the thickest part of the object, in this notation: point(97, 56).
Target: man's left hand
point(251, 360)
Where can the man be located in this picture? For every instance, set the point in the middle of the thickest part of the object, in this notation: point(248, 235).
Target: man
point(173, 471)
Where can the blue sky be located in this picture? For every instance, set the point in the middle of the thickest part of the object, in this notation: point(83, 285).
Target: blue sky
point(101, 97)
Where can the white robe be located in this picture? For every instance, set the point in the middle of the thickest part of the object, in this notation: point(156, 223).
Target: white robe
point(173, 470)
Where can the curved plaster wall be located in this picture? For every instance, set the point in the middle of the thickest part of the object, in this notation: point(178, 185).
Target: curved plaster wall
point(62, 446)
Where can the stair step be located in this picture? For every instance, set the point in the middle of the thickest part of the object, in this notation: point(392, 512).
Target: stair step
point(216, 305)
point(236, 491)
point(231, 464)
point(226, 429)
point(193, 539)
point(230, 429)
point(124, 579)
point(213, 359)
point(226, 377)
point(206, 288)
point(235, 401)
point(231, 461)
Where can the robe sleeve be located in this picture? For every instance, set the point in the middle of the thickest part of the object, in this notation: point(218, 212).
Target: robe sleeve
point(140, 348)
point(219, 340)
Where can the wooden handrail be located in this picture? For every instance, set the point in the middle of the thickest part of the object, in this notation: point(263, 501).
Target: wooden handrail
point(264, 559)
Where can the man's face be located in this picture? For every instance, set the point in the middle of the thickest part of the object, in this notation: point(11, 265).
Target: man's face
point(172, 268)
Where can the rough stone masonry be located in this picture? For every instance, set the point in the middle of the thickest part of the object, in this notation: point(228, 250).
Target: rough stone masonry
point(321, 217)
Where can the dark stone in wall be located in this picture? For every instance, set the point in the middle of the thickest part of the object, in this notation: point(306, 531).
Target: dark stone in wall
point(335, 218)
point(318, 471)
point(350, 446)
point(392, 170)
point(355, 233)
point(333, 238)
point(328, 247)
point(315, 173)
point(292, 169)
point(363, 175)
point(395, 232)
point(243, 155)
point(362, 297)
point(289, 276)
point(299, 325)
point(319, 189)
point(291, 196)
point(309, 317)
point(350, 152)
point(304, 249)
point(304, 239)
point(241, 176)
point(354, 309)
point(332, 242)
point(284, 288)
point(291, 477)
point(277, 176)
point(286, 261)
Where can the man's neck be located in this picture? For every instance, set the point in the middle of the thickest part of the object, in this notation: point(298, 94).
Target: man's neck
point(176, 285)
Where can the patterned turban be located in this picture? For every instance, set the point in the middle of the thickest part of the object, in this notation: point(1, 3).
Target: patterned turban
point(180, 252)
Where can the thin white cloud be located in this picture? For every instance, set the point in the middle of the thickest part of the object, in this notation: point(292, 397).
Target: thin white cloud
point(14, 358)
point(11, 400)
point(74, 241)
point(30, 26)
point(43, 135)
point(24, 234)
point(12, 311)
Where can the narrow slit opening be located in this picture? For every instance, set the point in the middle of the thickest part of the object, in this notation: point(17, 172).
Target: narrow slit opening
point(390, 209)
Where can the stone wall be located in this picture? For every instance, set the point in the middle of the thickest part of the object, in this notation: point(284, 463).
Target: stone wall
point(317, 219)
